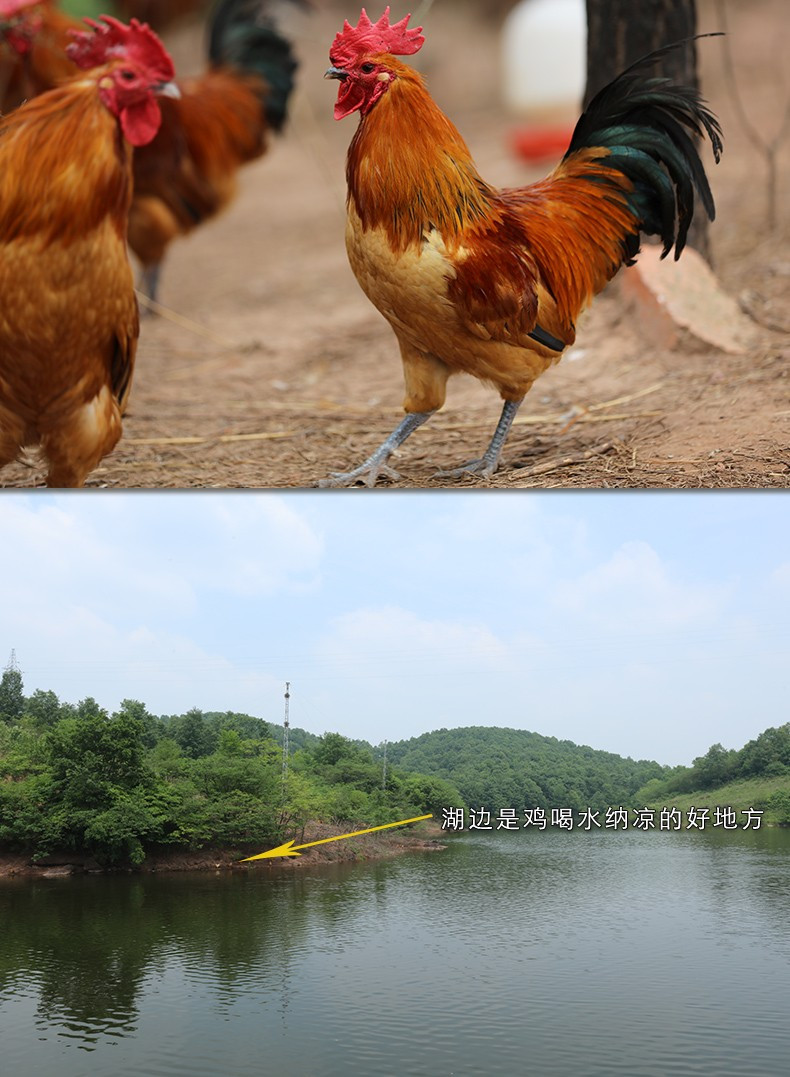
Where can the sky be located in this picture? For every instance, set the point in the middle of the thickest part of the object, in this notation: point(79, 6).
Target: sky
point(652, 625)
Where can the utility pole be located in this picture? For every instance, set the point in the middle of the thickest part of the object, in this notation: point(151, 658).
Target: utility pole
point(384, 768)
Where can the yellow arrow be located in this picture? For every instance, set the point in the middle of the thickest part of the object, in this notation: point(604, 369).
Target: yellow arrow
point(289, 849)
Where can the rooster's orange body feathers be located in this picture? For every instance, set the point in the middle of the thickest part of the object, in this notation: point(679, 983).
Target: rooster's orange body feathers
point(486, 281)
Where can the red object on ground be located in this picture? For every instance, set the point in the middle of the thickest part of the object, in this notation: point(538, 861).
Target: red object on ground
point(540, 143)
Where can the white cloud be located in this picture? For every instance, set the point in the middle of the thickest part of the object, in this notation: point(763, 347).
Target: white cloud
point(646, 632)
point(266, 545)
point(143, 554)
point(635, 588)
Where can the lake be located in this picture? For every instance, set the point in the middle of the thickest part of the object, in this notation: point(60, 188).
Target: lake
point(568, 953)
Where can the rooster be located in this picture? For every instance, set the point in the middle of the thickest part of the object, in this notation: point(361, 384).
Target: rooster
point(68, 314)
point(486, 281)
point(37, 35)
point(222, 120)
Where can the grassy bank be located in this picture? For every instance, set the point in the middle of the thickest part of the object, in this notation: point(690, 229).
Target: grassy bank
point(769, 795)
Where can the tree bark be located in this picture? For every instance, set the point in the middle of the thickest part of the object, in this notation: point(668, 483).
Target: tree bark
point(620, 32)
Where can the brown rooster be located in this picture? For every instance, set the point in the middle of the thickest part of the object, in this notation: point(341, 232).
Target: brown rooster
point(35, 59)
point(222, 120)
point(486, 281)
point(68, 314)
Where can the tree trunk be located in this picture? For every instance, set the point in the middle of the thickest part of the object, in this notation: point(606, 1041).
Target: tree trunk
point(620, 32)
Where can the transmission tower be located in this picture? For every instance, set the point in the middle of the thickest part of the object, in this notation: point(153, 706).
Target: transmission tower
point(13, 665)
point(286, 736)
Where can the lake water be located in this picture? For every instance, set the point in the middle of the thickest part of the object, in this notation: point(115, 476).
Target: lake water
point(626, 953)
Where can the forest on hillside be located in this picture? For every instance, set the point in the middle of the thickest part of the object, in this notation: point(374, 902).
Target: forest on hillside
point(495, 767)
point(766, 757)
point(118, 786)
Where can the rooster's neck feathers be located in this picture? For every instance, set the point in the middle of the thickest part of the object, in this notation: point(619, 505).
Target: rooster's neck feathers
point(53, 150)
point(398, 179)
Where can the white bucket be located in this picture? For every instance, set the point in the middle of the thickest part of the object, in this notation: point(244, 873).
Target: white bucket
point(544, 45)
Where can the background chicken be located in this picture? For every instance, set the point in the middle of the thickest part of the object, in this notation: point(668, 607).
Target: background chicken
point(488, 281)
point(189, 172)
point(68, 316)
point(222, 120)
point(35, 58)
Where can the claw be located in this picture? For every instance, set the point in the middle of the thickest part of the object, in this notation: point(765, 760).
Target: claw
point(482, 468)
point(375, 465)
point(488, 463)
point(364, 475)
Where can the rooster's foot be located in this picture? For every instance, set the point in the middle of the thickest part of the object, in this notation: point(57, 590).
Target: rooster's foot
point(489, 461)
point(481, 468)
point(365, 475)
point(376, 464)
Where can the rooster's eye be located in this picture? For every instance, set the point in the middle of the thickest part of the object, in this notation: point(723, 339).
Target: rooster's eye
point(127, 75)
point(367, 68)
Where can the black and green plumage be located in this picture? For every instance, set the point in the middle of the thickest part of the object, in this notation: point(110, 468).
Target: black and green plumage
point(648, 126)
point(244, 35)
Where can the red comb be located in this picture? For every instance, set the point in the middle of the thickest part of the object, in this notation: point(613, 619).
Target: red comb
point(136, 42)
point(373, 37)
point(13, 7)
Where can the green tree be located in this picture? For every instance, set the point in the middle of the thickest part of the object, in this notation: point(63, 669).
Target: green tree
point(714, 768)
point(151, 725)
point(44, 708)
point(332, 748)
point(193, 734)
point(430, 794)
point(767, 754)
point(248, 727)
point(98, 773)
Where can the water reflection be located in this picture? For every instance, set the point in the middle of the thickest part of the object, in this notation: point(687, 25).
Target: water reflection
point(624, 953)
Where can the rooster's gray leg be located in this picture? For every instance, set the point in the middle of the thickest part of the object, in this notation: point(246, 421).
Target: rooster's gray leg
point(489, 461)
point(149, 282)
point(376, 464)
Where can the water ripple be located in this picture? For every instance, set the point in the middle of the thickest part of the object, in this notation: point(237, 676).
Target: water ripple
point(611, 956)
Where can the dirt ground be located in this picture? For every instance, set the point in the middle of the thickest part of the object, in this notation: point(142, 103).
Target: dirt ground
point(269, 367)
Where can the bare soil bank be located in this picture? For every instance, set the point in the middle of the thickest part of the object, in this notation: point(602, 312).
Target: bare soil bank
point(367, 847)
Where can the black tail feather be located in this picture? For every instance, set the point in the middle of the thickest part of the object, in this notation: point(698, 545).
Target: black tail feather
point(243, 34)
point(646, 125)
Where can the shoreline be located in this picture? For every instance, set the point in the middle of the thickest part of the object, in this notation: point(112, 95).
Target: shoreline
point(213, 858)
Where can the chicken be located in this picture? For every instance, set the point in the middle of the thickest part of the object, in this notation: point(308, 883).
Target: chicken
point(486, 281)
point(223, 119)
point(35, 60)
point(68, 316)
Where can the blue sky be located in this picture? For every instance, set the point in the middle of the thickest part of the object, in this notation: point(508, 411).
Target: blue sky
point(652, 625)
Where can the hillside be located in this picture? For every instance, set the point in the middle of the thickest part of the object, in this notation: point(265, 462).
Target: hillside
point(766, 794)
point(495, 767)
point(755, 776)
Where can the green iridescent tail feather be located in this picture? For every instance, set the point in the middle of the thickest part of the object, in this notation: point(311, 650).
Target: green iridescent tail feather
point(647, 124)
